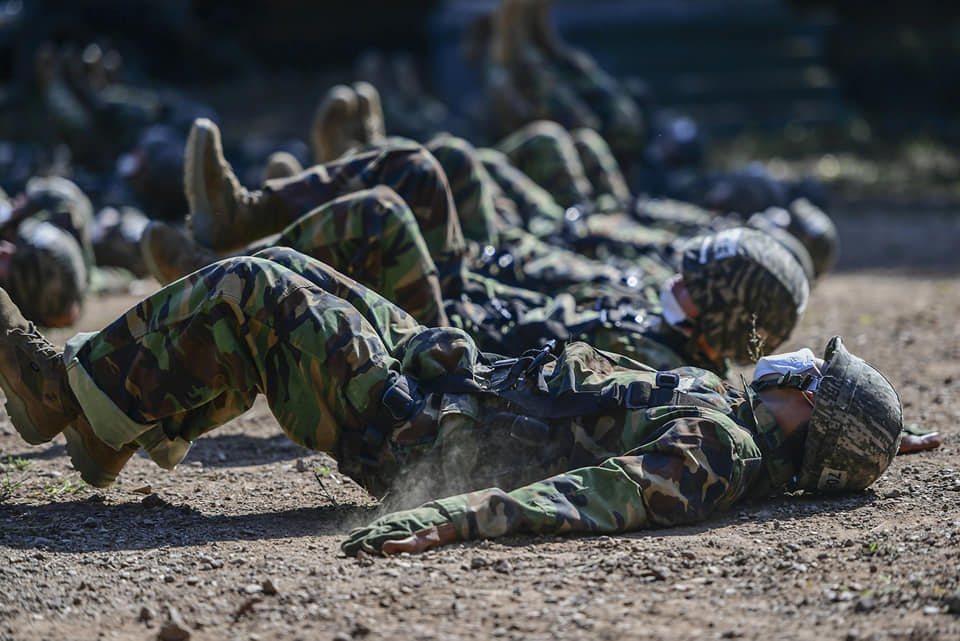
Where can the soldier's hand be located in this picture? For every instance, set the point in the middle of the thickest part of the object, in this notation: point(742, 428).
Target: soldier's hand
point(420, 541)
point(410, 527)
point(917, 440)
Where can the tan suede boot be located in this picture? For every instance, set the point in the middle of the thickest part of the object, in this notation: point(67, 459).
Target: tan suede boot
point(224, 215)
point(169, 254)
point(335, 125)
point(33, 377)
point(281, 164)
point(373, 129)
point(97, 462)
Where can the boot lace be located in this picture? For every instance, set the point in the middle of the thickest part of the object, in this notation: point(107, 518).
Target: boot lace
point(34, 339)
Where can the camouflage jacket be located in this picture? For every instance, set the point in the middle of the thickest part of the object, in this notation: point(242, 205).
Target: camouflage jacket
point(678, 466)
point(614, 317)
point(657, 466)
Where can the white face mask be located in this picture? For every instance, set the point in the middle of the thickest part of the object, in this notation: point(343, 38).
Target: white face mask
point(801, 361)
point(670, 306)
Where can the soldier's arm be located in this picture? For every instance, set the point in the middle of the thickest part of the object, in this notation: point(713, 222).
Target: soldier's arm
point(681, 477)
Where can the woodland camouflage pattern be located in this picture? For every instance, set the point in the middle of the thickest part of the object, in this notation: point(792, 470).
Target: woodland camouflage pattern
point(540, 214)
point(324, 350)
point(371, 236)
point(196, 354)
point(545, 151)
point(631, 468)
point(407, 168)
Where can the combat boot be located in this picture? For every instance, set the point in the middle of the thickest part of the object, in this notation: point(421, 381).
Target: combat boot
point(224, 215)
point(334, 130)
point(373, 129)
point(33, 377)
point(97, 462)
point(281, 164)
point(170, 255)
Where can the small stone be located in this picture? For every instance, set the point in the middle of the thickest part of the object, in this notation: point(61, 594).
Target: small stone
point(169, 578)
point(152, 500)
point(932, 609)
point(253, 588)
point(302, 465)
point(146, 614)
point(503, 567)
point(174, 629)
point(865, 604)
point(477, 562)
point(173, 632)
point(145, 489)
point(953, 603)
point(894, 493)
point(269, 587)
point(662, 573)
point(342, 636)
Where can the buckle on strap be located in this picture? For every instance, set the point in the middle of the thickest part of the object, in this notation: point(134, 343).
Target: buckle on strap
point(637, 395)
point(641, 395)
point(669, 380)
point(400, 400)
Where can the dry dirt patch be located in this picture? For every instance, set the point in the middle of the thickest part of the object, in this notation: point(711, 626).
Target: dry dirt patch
point(241, 541)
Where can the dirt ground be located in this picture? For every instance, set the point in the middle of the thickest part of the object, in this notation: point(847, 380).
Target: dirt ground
point(241, 540)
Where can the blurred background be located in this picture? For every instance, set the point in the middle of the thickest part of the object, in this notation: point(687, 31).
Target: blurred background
point(859, 94)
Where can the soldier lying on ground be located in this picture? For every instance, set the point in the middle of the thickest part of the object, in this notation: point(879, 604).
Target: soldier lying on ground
point(737, 284)
point(400, 405)
point(545, 188)
point(212, 182)
point(826, 425)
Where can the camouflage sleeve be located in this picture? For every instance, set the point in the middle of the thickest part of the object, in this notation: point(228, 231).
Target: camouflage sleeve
point(681, 477)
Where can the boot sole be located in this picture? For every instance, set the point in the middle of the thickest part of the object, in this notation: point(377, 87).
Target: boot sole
point(17, 410)
point(90, 471)
point(195, 182)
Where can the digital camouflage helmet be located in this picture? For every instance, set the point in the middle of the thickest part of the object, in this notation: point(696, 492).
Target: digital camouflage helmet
point(855, 428)
point(743, 280)
point(48, 275)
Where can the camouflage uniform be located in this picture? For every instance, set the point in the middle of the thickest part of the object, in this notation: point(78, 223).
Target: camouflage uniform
point(407, 168)
point(521, 228)
point(371, 236)
point(347, 372)
point(576, 167)
point(658, 466)
point(512, 301)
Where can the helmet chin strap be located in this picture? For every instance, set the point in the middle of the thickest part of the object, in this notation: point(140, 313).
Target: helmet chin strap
point(785, 381)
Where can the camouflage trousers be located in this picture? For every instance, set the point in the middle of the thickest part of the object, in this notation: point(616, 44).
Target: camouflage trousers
point(197, 353)
point(575, 167)
point(408, 169)
point(327, 353)
point(508, 214)
point(373, 237)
